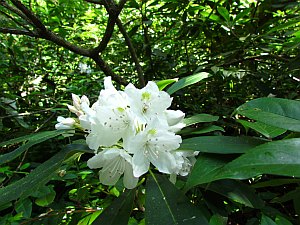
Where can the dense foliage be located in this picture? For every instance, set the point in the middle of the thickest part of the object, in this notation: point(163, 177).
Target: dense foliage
point(231, 66)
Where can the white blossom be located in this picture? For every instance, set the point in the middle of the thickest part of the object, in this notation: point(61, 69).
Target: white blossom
point(130, 130)
point(148, 102)
point(114, 163)
point(153, 145)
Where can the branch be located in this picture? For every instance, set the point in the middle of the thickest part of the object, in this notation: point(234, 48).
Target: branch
point(30, 15)
point(132, 52)
point(99, 2)
point(44, 33)
point(107, 70)
point(17, 32)
point(113, 12)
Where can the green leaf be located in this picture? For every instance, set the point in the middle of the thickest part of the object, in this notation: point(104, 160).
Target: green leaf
point(237, 192)
point(242, 14)
point(208, 129)
point(30, 137)
point(217, 220)
point(33, 139)
point(291, 195)
point(186, 81)
point(278, 158)
point(284, 26)
point(118, 212)
point(224, 12)
point(206, 167)
point(266, 130)
point(45, 196)
point(24, 207)
point(220, 144)
point(200, 118)
point(162, 84)
point(275, 182)
point(165, 204)
point(266, 221)
point(86, 219)
point(277, 112)
point(39, 176)
point(282, 221)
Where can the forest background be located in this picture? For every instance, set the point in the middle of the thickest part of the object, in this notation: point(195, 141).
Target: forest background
point(212, 56)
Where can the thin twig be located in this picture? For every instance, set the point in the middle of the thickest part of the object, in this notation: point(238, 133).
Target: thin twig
point(15, 10)
point(132, 52)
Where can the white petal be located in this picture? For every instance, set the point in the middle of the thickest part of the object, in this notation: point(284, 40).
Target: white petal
point(177, 127)
point(129, 180)
point(60, 119)
point(109, 176)
point(72, 109)
point(165, 162)
point(85, 99)
point(76, 101)
point(97, 161)
point(108, 83)
point(174, 116)
point(140, 164)
point(100, 136)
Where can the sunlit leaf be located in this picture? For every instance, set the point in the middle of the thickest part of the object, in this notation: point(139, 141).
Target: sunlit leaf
point(186, 81)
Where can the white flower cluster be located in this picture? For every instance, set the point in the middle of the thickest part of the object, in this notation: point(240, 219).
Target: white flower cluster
point(129, 130)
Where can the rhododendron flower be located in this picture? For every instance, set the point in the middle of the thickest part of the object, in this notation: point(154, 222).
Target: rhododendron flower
point(130, 130)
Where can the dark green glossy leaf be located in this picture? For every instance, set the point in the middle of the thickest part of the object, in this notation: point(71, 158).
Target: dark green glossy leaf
point(266, 221)
point(265, 129)
point(294, 194)
point(275, 182)
point(237, 192)
point(208, 129)
point(276, 112)
point(186, 81)
point(200, 118)
point(24, 207)
point(282, 221)
point(217, 220)
point(220, 144)
point(278, 158)
point(205, 168)
point(45, 196)
point(33, 139)
point(39, 176)
point(118, 212)
point(165, 204)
